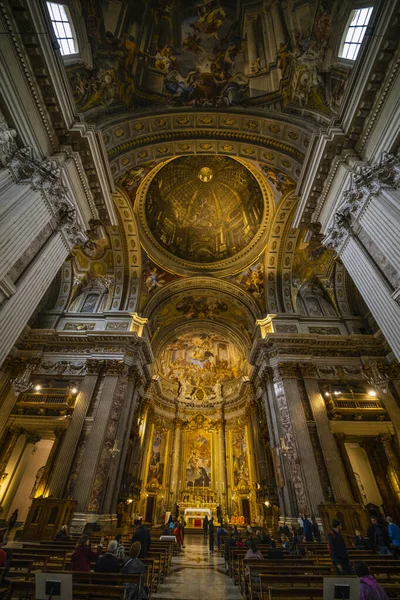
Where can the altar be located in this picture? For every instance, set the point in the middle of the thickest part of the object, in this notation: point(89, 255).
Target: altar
point(194, 517)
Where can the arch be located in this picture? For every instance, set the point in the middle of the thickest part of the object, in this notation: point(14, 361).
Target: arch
point(278, 141)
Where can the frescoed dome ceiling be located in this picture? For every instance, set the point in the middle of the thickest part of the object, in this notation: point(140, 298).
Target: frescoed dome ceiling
point(207, 214)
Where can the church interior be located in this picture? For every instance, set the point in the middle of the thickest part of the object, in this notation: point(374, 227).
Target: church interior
point(203, 317)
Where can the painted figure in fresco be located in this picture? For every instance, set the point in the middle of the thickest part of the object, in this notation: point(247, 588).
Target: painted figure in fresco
point(253, 281)
point(193, 43)
point(211, 18)
point(156, 467)
point(152, 278)
point(198, 463)
point(241, 472)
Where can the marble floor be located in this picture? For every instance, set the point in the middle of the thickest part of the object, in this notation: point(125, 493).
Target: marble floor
point(198, 575)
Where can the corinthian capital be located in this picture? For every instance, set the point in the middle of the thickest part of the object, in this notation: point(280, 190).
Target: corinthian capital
point(7, 141)
point(46, 176)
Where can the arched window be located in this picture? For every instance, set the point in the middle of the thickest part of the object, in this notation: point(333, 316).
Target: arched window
point(355, 32)
point(63, 28)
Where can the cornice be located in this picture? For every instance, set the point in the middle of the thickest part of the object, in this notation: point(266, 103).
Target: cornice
point(87, 343)
point(194, 134)
point(315, 346)
point(349, 133)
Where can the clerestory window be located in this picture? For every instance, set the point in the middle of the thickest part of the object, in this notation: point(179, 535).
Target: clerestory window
point(63, 28)
point(355, 32)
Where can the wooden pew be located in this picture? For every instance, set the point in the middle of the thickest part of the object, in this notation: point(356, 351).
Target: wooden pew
point(80, 590)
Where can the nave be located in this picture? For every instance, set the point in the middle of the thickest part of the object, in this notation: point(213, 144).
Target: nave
point(196, 574)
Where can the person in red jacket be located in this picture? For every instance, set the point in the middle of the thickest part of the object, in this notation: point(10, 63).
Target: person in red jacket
point(3, 558)
point(83, 555)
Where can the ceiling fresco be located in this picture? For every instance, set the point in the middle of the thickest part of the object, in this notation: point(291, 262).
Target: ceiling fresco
point(204, 208)
point(201, 359)
point(207, 53)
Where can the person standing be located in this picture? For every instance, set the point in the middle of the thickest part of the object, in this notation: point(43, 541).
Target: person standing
point(183, 525)
point(229, 543)
point(205, 527)
point(211, 534)
point(394, 535)
point(12, 520)
point(142, 535)
point(378, 537)
point(338, 550)
point(308, 529)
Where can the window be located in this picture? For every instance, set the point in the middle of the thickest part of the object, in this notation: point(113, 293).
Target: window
point(62, 27)
point(355, 32)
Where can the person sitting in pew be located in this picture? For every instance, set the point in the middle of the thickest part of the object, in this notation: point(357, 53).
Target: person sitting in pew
point(394, 535)
point(108, 563)
point(62, 535)
point(369, 588)
point(252, 553)
point(285, 542)
point(359, 541)
point(133, 565)
point(83, 555)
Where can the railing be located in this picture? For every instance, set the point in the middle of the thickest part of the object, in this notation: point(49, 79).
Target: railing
point(354, 403)
point(55, 401)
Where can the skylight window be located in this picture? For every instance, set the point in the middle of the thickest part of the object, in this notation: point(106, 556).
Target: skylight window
point(63, 28)
point(355, 33)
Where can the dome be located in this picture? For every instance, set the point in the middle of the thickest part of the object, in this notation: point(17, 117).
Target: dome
point(203, 210)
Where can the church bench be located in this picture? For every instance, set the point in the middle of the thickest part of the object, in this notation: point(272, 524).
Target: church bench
point(391, 571)
point(248, 583)
point(264, 564)
point(305, 593)
point(80, 590)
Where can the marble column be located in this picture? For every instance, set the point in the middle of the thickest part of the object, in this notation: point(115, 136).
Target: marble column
point(223, 477)
point(32, 285)
point(298, 441)
point(176, 459)
point(393, 463)
point(95, 442)
point(42, 489)
point(122, 439)
point(341, 444)
point(254, 450)
point(59, 474)
point(287, 501)
point(337, 476)
point(375, 290)
point(8, 450)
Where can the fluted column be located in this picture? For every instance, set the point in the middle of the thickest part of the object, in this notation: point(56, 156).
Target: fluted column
point(59, 475)
point(254, 451)
point(32, 285)
point(300, 453)
point(337, 476)
point(85, 481)
point(374, 289)
point(251, 41)
point(393, 462)
point(8, 450)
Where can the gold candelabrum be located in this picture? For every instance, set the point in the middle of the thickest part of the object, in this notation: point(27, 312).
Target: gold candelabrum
point(199, 495)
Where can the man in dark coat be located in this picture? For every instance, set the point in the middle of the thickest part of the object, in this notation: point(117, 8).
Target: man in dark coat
point(338, 550)
point(142, 535)
point(308, 529)
point(205, 527)
point(378, 537)
point(211, 534)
